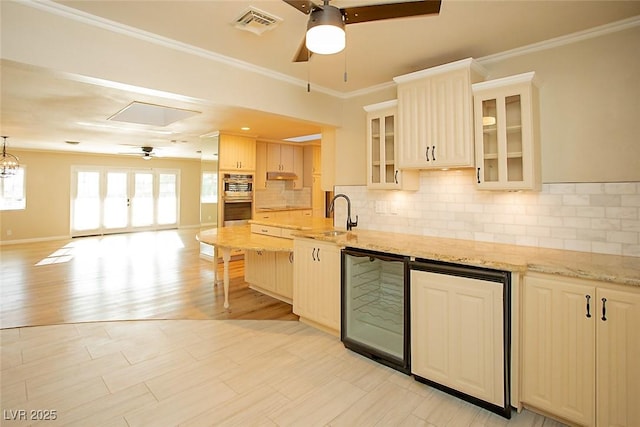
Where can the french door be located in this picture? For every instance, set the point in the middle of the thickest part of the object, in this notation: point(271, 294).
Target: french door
point(110, 200)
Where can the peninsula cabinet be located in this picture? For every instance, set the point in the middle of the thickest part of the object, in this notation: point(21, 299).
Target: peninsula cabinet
point(506, 127)
point(435, 116)
point(316, 283)
point(382, 152)
point(237, 153)
point(270, 273)
point(581, 350)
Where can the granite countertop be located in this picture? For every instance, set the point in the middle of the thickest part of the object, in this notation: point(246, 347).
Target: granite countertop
point(623, 270)
point(282, 208)
point(241, 237)
point(303, 224)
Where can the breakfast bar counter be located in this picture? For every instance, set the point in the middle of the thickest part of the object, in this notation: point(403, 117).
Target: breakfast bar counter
point(226, 239)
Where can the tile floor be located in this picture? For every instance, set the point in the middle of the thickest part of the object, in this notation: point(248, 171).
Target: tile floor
point(213, 372)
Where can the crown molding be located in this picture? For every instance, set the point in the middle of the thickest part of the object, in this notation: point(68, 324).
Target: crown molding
point(116, 27)
point(563, 40)
point(96, 21)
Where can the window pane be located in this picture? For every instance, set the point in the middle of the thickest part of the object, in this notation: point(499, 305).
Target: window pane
point(209, 187)
point(12, 191)
point(116, 203)
point(86, 208)
point(142, 203)
point(167, 200)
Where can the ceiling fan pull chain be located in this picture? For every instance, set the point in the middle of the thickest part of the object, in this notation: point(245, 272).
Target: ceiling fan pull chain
point(308, 75)
point(345, 65)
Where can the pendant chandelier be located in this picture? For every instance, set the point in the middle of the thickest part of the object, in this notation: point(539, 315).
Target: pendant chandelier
point(9, 163)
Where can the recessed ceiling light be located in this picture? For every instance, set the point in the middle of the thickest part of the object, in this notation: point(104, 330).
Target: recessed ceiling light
point(245, 128)
point(304, 138)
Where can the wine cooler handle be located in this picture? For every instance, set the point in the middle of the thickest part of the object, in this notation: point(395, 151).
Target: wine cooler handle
point(588, 297)
point(604, 309)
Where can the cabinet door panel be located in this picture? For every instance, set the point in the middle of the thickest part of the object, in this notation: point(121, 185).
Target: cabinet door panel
point(456, 333)
point(316, 288)
point(558, 349)
point(618, 355)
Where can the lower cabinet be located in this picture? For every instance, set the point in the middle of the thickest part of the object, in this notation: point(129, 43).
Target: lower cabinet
point(458, 337)
point(271, 273)
point(316, 283)
point(581, 350)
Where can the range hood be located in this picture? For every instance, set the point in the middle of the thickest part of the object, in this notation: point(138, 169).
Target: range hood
point(281, 176)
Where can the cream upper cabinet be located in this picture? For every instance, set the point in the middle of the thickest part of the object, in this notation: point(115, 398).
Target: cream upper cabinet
point(506, 134)
point(237, 153)
point(316, 283)
point(581, 349)
point(382, 150)
point(435, 116)
point(286, 158)
point(260, 178)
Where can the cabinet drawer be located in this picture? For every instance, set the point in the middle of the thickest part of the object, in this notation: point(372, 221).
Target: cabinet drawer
point(267, 230)
point(287, 233)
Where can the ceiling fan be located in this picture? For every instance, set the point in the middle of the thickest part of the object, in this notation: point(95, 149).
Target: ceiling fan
point(146, 154)
point(325, 29)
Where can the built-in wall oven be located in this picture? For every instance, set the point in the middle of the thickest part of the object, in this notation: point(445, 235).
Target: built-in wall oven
point(237, 198)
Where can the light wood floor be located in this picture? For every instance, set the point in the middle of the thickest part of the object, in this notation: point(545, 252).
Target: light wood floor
point(215, 372)
point(155, 275)
point(101, 359)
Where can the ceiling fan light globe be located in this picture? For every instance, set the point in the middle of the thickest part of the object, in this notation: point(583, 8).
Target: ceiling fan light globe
point(325, 39)
point(325, 31)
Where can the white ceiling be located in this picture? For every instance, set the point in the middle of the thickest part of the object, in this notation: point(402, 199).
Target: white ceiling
point(67, 107)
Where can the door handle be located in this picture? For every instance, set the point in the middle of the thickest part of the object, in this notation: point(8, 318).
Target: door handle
point(433, 153)
point(427, 154)
point(395, 177)
point(318, 254)
point(604, 309)
point(313, 254)
point(478, 175)
point(588, 297)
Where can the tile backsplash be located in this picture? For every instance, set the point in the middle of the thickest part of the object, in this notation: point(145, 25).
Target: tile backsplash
point(282, 194)
point(587, 217)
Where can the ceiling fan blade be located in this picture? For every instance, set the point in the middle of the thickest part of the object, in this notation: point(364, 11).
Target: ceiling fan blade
point(304, 6)
point(354, 15)
point(303, 53)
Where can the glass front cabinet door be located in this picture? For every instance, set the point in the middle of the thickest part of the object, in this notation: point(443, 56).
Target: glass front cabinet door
point(506, 134)
point(382, 166)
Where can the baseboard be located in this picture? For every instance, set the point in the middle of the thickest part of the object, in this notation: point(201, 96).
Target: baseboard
point(33, 240)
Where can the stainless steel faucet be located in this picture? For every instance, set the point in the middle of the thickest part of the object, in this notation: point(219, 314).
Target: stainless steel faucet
point(350, 224)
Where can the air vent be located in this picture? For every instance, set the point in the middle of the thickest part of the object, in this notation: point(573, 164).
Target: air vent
point(256, 21)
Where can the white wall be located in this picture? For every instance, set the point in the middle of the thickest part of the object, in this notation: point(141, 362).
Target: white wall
point(600, 217)
point(589, 110)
